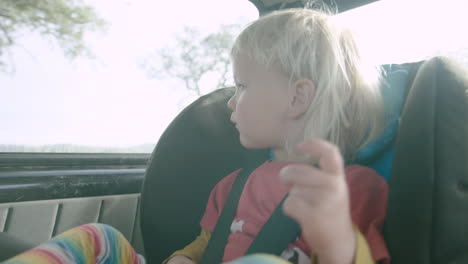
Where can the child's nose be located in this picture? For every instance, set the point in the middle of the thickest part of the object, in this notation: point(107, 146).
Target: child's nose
point(232, 103)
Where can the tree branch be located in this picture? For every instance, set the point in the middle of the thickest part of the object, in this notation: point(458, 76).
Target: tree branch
point(7, 35)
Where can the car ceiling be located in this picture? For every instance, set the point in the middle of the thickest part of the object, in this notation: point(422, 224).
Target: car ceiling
point(265, 6)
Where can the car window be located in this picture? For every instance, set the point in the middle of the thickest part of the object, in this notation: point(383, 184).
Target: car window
point(400, 31)
point(152, 58)
point(118, 99)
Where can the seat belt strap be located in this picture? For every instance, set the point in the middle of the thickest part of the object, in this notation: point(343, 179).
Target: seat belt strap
point(215, 250)
point(276, 234)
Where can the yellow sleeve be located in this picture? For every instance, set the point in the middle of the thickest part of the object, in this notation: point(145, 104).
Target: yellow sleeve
point(195, 249)
point(362, 254)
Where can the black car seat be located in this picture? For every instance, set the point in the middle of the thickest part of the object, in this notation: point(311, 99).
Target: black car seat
point(424, 157)
point(427, 216)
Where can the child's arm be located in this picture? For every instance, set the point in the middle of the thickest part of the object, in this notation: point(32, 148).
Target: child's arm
point(192, 252)
point(319, 201)
point(363, 254)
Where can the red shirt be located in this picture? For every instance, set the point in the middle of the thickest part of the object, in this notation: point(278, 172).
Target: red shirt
point(263, 192)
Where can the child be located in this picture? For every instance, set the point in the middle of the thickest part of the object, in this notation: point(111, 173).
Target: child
point(303, 90)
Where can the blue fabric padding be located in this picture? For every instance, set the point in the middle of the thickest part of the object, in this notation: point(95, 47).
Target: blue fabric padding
point(378, 154)
point(383, 165)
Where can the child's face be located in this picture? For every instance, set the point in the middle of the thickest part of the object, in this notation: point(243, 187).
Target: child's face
point(260, 104)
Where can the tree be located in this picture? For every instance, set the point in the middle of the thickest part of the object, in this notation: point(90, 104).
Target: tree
point(64, 21)
point(193, 57)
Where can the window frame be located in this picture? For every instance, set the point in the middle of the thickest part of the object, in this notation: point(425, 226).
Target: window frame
point(44, 176)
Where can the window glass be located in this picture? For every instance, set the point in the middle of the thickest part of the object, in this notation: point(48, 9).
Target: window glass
point(121, 100)
point(400, 31)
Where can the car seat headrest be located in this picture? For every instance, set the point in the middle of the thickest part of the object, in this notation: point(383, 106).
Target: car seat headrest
point(378, 154)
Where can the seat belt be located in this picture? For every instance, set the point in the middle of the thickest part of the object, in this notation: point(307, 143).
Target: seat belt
point(276, 234)
point(215, 250)
point(274, 237)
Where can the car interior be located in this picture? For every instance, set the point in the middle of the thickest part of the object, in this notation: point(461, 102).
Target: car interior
point(156, 200)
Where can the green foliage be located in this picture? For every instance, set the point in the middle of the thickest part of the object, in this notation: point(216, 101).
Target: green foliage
point(64, 21)
point(193, 57)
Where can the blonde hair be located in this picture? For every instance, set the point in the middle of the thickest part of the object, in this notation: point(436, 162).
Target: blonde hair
point(347, 107)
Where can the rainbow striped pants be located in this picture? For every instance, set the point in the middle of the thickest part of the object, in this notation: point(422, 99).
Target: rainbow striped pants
point(100, 243)
point(90, 243)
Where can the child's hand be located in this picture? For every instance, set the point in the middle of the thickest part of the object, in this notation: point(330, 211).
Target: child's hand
point(178, 259)
point(318, 200)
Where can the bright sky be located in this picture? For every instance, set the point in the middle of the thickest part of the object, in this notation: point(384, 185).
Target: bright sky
point(110, 102)
point(107, 101)
point(399, 31)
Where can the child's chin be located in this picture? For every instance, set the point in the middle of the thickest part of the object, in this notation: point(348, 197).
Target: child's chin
point(250, 145)
point(246, 143)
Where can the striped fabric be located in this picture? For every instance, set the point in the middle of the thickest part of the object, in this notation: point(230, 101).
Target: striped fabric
point(100, 243)
point(259, 259)
point(90, 243)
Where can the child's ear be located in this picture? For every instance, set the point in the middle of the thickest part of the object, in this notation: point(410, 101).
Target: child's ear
point(303, 92)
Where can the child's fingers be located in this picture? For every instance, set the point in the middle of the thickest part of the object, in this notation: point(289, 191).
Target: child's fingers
point(312, 197)
point(330, 159)
point(295, 207)
point(303, 175)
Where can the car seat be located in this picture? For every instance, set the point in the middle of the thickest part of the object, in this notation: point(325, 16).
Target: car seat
point(423, 153)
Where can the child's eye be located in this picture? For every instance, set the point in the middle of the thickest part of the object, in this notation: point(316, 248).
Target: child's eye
point(240, 86)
